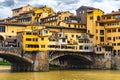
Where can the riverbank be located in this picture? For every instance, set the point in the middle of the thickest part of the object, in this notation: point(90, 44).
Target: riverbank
point(5, 63)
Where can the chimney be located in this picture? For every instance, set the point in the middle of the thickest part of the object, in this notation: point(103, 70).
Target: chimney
point(119, 10)
point(113, 11)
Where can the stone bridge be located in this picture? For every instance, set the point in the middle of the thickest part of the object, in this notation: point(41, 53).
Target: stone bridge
point(28, 61)
point(40, 60)
point(71, 59)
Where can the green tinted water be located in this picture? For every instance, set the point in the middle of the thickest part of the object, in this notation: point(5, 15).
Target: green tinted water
point(5, 74)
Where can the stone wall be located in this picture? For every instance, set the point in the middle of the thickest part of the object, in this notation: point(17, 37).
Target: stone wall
point(116, 62)
point(102, 61)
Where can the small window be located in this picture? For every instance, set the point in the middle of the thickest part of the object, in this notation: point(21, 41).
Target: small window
point(74, 26)
point(101, 39)
point(109, 31)
point(80, 47)
point(96, 31)
point(118, 30)
point(42, 46)
point(98, 18)
point(36, 39)
point(28, 39)
point(45, 31)
point(42, 39)
point(86, 47)
point(63, 40)
point(109, 38)
point(72, 35)
point(113, 30)
point(96, 37)
point(28, 33)
point(69, 25)
point(91, 18)
point(101, 32)
point(12, 31)
point(108, 17)
point(101, 24)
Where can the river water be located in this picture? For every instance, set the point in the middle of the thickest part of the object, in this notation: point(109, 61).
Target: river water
point(5, 74)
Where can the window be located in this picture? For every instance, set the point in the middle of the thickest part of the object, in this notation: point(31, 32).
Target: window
point(96, 31)
point(17, 11)
point(80, 47)
point(113, 38)
point(91, 18)
point(118, 44)
point(101, 39)
point(66, 37)
point(117, 16)
point(28, 33)
point(109, 38)
point(72, 35)
point(28, 39)
point(42, 46)
point(42, 39)
point(69, 25)
point(101, 32)
point(108, 17)
point(109, 30)
point(119, 30)
point(101, 24)
point(63, 40)
point(98, 18)
point(34, 33)
point(100, 48)
point(114, 44)
point(45, 31)
point(74, 26)
point(86, 47)
point(36, 39)
point(113, 30)
point(12, 31)
point(2, 28)
point(96, 37)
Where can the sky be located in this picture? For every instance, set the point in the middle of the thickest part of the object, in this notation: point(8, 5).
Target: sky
point(58, 5)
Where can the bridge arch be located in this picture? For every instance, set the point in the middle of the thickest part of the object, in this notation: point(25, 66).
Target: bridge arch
point(15, 58)
point(71, 59)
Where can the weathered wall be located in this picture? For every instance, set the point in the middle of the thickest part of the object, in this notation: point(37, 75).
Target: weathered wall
point(41, 62)
point(115, 62)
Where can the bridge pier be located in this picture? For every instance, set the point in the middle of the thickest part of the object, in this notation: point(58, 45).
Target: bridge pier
point(41, 62)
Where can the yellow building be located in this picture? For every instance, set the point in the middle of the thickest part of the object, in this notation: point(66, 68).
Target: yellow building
point(105, 28)
point(98, 32)
point(46, 38)
point(33, 16)
point(20, 10)
point(110, 23)
point(8, 32)
point(64, 19)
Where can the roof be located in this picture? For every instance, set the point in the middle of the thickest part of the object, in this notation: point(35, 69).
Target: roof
point(13, 24)
point(86, 7)
point(20, 7)
point(112, 13)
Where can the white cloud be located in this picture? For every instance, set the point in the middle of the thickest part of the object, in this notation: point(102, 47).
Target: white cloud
point(61, 5)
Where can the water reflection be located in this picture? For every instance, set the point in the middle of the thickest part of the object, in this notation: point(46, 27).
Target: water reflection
point(5, 74)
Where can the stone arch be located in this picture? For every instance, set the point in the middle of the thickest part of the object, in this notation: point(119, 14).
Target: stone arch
point(69, 59)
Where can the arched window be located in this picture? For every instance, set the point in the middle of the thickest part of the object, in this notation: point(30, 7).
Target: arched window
point(98, 18)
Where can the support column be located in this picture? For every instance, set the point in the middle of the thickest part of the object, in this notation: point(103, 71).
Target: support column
point(41, 62)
